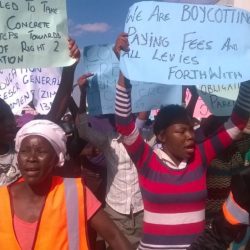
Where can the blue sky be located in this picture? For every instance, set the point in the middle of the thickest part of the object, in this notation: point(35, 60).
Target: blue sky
point(96, 22)
point(99, 21)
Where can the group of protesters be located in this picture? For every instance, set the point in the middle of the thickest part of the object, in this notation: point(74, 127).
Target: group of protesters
point(67, 183)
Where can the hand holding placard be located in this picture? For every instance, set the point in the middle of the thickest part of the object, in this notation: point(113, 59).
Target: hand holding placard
point(101, 61)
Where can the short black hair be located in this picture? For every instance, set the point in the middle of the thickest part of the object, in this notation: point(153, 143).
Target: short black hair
point(169, 115)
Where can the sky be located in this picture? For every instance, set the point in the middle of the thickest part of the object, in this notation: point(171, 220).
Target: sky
point(93, 22)
point(96, 21)
point(100, 21)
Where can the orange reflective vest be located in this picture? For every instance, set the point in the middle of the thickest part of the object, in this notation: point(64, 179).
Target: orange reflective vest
point(62, 224)
point(233, 213)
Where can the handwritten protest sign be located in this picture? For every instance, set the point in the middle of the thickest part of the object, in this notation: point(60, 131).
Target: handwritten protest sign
point(201, 110)
point(174, 43)
point(45, 84)
point(101, 61)
point(18, 87)
point(14, 90)
point(148, 96)
point(33, 34)
point(219, 98)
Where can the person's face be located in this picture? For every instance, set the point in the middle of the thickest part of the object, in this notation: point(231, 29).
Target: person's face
point(178, 141)
point(7, 127)
point(36, 159)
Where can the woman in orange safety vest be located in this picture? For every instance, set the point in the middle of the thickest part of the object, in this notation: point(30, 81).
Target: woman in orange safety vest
point(42, 211)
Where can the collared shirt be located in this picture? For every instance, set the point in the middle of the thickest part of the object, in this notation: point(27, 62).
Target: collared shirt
point(174, 200)
point(168, 161)
point(123, 192)
point(9, 171)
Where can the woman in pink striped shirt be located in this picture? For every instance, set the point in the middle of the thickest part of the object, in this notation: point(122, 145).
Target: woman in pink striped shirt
point(173, 178)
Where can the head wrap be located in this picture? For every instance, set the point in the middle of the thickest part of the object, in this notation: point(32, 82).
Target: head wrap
point(50, 131)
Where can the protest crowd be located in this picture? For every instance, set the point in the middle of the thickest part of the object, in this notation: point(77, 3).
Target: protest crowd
point(124, 181)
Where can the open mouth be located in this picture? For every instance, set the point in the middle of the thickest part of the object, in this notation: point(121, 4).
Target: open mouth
point(190, 148)
point(31, 171)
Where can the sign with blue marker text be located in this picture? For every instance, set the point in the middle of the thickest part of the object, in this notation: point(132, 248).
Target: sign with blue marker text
point(19, 87)
point(101, 61)
point(45, 83)
point(15, 89)
point(219, 98)
point(33, 34)
point(187, 44)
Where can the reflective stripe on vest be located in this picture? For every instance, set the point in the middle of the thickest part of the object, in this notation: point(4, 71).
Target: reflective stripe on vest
point(62, 225)
point(72, 207)
point(233, 213)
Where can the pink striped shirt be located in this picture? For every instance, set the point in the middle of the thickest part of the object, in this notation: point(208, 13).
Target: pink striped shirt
point(174, 198)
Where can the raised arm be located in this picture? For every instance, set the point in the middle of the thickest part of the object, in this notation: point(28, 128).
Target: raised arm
point(232, 128)
point(131, 138)
point(83, 85)
point(73, 108)
point(121, 44)
point(93, 136)
point(141, 119)
point(63, 94)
